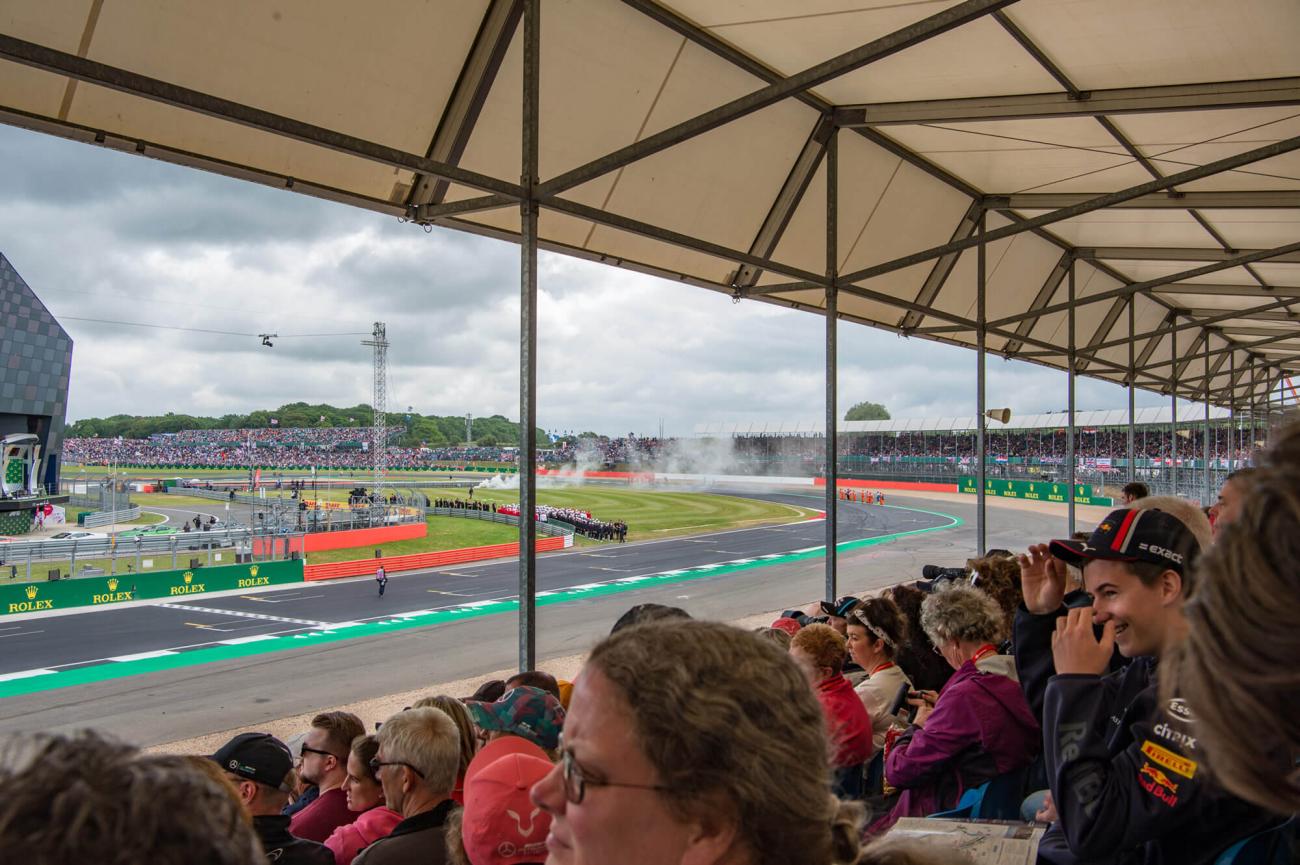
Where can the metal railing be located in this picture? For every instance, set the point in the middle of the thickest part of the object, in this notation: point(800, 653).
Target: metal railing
point(89, 557)
point(107, 518)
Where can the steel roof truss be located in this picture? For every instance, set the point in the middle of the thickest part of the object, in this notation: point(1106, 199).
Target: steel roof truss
point(1174, 253)
point(1045, 294)
point(787, 200)
point(877, 49)
point(938, 275)
point(500, 22)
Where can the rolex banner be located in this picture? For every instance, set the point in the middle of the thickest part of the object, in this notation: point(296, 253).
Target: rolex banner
point(100, 591)
point(1044, 491)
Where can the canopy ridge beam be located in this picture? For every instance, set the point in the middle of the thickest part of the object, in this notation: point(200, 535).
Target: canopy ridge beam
point(787, 200)
point(877, 49)
point(1255, 93)
point(1173, 253)
point(495, 32)
point(942, 269)
point(62, 63)
point(1222, 290)
point(1247, 200)
point(1045, 294)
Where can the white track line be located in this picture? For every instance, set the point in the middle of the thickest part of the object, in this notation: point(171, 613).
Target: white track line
point(241, 614)
point(24, 674)
point(141, 656)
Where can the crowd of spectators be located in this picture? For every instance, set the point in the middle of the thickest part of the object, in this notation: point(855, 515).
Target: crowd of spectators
point(1046, 446)
point(1135, 685)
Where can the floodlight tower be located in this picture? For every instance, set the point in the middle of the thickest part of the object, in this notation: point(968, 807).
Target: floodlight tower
point(379, 444)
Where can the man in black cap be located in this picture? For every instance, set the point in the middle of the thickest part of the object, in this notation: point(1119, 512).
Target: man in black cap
point(1128, 783)
point(259, 765)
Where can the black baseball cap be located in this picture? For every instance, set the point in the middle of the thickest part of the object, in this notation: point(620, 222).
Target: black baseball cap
point(257, 757)
point(840, 608)
point(1131, 535)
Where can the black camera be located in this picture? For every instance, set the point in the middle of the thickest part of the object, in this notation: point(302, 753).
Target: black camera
point(934, 572)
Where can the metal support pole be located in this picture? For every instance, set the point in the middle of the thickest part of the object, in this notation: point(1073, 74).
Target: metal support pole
point(1070, 457)
point(1205, 448)
point(1173, 409)
point(1251, 405)
point(832, 368)
point(1234, 434)
point(981, 338)
point(1132, 457)
point(528, 341)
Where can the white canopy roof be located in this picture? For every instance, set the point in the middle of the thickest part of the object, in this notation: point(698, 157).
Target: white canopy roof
point(690, 139)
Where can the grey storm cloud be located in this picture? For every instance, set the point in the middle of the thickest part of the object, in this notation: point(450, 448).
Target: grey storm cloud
point(117, 238)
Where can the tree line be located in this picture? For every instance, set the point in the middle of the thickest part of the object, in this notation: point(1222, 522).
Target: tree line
point(418, 429)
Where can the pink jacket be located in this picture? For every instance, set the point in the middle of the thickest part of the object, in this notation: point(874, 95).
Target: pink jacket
point(350, 839)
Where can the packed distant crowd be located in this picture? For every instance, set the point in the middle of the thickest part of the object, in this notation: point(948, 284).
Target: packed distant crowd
point(1044, 446)
point(1131, 690)
point(348, 447)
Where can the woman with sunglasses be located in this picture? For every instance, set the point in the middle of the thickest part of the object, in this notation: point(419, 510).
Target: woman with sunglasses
point(694, 742)
point(365, 797)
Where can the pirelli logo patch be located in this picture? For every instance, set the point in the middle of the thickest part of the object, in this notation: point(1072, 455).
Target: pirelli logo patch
point(1175, 763)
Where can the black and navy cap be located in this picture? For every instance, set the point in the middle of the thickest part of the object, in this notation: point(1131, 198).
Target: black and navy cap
point(1131, 535)
point(840, 608)
point(257, 757)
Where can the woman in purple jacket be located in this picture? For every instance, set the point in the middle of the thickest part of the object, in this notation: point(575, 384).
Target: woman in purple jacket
point(978, 727)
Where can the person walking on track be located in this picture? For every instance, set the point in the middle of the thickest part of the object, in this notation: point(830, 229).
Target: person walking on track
point(382, 578)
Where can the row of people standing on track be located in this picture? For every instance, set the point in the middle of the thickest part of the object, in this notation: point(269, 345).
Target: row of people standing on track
point(865, 497)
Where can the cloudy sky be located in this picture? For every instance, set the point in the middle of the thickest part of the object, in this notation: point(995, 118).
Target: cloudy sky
point(103, 235)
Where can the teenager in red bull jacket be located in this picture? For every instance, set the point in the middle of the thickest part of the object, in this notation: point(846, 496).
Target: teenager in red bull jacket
point(1127, 779)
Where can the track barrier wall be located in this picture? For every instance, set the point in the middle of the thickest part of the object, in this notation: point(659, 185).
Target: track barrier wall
point(420, 561)
point(318, 541)
point(102, 591)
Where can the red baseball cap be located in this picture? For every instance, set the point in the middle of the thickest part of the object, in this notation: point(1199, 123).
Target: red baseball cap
point(501, 825)
point(787, 624)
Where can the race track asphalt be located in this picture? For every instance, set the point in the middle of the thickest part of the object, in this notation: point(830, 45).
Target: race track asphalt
point(173, 703)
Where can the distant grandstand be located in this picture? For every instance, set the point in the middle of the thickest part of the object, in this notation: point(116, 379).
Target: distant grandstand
point(1031, 447)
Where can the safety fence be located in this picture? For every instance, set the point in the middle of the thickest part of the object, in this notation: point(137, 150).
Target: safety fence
point(108, 590)
point(108, 518)
point(421, 561)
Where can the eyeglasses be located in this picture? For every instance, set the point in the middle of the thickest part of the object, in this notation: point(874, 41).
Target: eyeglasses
point(376, 764)
point(303, 751)
point(575, 781)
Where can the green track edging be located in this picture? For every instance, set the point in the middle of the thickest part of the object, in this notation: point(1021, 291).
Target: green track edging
point(401, 622)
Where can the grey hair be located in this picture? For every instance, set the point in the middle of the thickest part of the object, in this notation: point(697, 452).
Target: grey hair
point(960, 612)
point(84, 798)
point(429, 740)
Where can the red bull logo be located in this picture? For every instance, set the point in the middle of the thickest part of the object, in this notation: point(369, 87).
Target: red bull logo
point(1157, 783)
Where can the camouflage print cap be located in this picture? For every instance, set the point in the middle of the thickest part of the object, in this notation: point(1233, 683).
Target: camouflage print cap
point(529, 712)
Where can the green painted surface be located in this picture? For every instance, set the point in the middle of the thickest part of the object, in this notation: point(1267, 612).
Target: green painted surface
point(101, 591)
point(1035, 491)
point(402, 622)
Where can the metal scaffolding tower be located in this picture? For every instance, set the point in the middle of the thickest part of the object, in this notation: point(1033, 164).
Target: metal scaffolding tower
point(379, 442)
